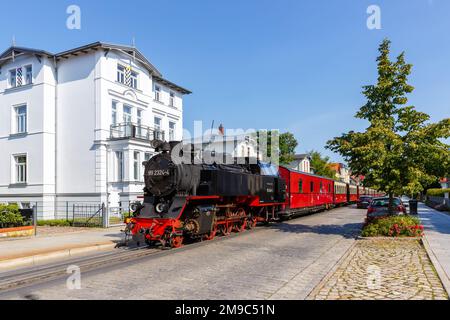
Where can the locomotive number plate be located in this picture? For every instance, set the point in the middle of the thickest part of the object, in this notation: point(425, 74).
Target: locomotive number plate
point(158, 172)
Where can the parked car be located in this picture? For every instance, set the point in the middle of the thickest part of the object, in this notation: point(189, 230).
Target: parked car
point(380, 207)
point(364, 202)
point(405, 200)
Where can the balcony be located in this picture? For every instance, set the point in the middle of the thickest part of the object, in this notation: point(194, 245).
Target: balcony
point(135, 131)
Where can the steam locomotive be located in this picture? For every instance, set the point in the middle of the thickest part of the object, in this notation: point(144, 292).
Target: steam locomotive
point(192, 200)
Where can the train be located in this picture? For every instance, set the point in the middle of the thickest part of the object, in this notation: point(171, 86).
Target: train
point(191, 201)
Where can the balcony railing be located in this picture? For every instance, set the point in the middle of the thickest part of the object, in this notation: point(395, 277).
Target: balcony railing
point(134, 131)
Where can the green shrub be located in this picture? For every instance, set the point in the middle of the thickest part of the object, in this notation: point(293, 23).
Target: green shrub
point(54, 223)
point(10, 216)
point(437, 192)
point(394, 226)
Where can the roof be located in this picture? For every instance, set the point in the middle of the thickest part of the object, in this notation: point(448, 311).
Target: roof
point(15, 51)
point(301, 156)
point(307, 174)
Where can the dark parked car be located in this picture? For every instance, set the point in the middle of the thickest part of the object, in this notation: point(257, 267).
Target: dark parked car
point(380, 207)
point(364, 202)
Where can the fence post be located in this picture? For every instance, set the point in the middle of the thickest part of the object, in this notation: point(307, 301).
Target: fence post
point(105, 216)
point(67, 210)
point(35, 219)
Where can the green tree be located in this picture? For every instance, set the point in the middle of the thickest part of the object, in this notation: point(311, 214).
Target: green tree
point(400, 151)
point(321, 165)
point(287, 146)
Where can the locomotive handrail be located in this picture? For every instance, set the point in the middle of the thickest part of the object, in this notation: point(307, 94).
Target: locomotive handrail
point(129, 130)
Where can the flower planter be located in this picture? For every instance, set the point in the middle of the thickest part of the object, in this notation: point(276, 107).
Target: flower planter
point(17, 232)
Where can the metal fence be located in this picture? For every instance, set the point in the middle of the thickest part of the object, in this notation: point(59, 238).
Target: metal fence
point(80, 214)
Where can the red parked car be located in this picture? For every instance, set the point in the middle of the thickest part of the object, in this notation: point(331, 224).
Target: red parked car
point(379, 207)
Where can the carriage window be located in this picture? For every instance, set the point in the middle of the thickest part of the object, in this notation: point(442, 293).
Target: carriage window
point(329, 188)
point(312, 186)
point(321, 187)
point(300, 186)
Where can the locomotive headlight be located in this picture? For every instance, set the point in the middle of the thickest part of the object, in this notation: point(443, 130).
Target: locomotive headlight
point(160, 207)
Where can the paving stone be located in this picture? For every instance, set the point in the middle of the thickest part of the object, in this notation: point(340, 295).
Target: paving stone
point(399, 266)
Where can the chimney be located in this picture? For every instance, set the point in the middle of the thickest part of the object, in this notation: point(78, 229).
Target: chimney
point(222, 130)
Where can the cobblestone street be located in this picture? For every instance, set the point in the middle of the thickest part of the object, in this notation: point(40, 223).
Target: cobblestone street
point(284, 261)
point(383, 269)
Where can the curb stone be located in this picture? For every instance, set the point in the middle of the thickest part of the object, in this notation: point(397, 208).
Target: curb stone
point(65, 253)
point(437, 266)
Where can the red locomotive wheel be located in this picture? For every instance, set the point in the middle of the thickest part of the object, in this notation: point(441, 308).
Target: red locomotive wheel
point(241, 226)
point(251, 223)
point(176, 242)
point(211, 235)
point(227, 228)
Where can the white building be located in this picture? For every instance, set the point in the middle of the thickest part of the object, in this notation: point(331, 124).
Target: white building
point(302, 162)
point(76, 126)
point(235, 145)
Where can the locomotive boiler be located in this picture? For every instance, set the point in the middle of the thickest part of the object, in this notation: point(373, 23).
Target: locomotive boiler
point(194, 200)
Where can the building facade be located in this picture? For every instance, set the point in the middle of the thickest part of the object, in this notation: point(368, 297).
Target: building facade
point(343, 174)
point(77, 125)
point(302, 162)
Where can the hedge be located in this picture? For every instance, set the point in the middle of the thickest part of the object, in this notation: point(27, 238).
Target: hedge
point(10, 216)
point(437, 192)
point(393, 226)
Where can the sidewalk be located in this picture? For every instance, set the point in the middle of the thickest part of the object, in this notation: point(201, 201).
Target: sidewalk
point(30, 251)
point(437, 241)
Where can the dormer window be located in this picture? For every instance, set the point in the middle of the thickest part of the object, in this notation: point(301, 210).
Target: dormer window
point(17, 79)
point(13, 78)
point(127, 76)
point(28, 75)
point(121, 74)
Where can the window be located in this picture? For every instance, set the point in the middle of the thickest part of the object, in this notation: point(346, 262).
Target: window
point(16, 78)
point(126, 114)
point(121, 74)
point(21, 119)
point(172, 99)
point(321, 187)
point(329, 188)
point(20, 162)
point(28, 75)
point(114, 113)
point(127, 76)
point(132, 81)
point(312, 186)
point(119, 165)
point(300, 186)
point(13, 78)
point(139, 123)
point(171, 131)
point(157, 124)
point(136, 165)
point(157, 93)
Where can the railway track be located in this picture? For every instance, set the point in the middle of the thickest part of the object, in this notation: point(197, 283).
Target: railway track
point(36, 275)
point(27, 279)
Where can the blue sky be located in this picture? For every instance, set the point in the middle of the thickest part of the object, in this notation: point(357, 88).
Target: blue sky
point(291, 65)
